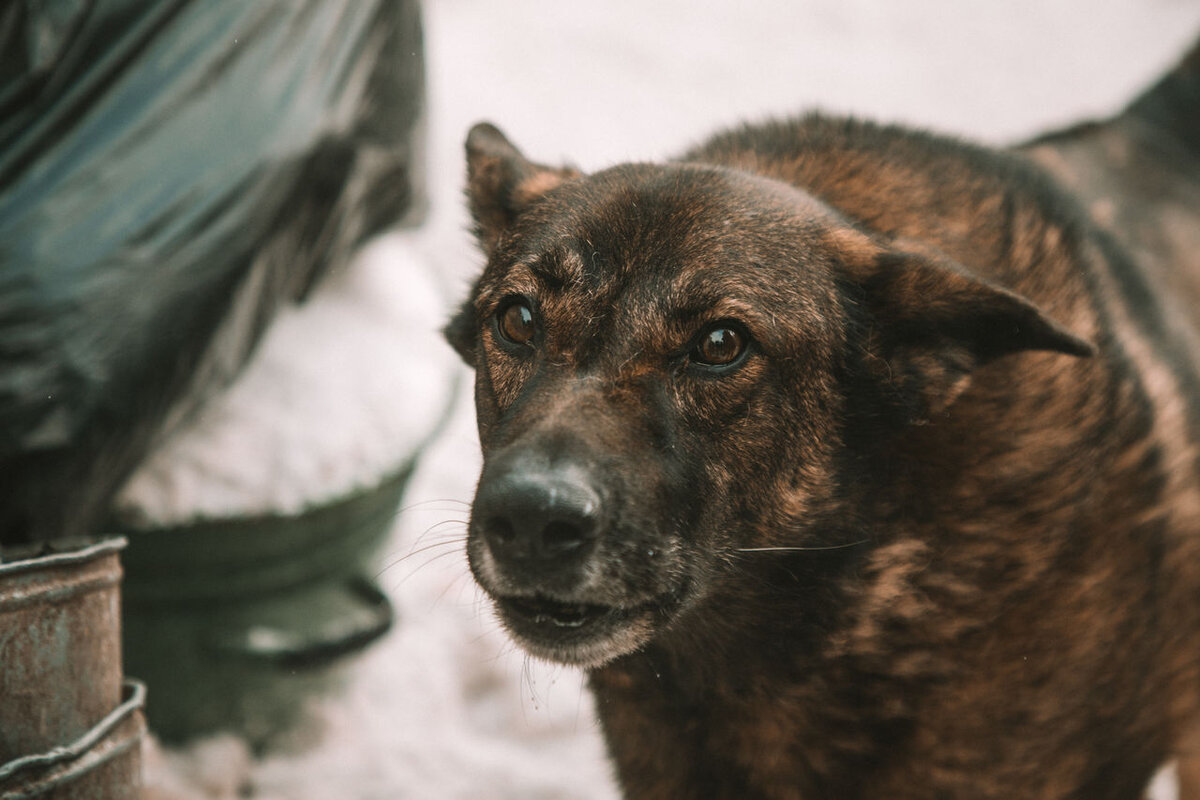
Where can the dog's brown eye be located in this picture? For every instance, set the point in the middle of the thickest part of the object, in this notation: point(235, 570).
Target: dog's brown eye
point(515, 323)
point(719, 346)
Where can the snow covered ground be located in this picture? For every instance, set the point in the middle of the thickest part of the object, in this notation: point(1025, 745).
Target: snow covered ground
point(444, 707)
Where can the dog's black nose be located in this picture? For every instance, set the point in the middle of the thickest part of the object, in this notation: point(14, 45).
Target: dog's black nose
point(538, 518)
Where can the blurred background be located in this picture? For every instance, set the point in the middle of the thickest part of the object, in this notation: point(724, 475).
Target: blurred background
point(260, 399)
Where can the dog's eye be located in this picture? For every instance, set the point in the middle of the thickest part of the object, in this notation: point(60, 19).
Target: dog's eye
point(719, 346)
point(515, 323)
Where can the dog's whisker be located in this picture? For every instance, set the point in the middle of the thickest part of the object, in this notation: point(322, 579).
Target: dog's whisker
point(439, 527)
point(445, 589)
point(444, 504)
point(528, 682)
point(442, 524)
point(437, 557)
point(800, 549)
point(451, 506)
point(441, 538)
point(443, 510)
point(421, 504)
point(433, 546)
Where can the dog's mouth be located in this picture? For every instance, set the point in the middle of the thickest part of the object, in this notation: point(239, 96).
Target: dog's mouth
point(583, 634)
point(543, 612)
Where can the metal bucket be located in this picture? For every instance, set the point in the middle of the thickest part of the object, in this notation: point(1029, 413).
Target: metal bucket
point(103, 764)
point(235, 624)
point(60, 644)
point(67, 727)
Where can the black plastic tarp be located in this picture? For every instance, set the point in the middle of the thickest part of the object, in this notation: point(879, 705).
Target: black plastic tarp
point(169, 172)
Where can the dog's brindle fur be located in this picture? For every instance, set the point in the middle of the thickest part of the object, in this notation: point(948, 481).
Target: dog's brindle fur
point(935, 533)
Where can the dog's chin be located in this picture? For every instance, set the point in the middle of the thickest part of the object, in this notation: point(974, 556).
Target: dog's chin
point(580, 635)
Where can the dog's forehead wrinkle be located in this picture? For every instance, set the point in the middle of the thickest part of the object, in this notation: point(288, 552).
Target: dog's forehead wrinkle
point(499, 282)
point(559, 266)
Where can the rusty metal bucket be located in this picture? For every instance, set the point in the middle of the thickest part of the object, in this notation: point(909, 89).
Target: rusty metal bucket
point(61, 674)
point(103, 764)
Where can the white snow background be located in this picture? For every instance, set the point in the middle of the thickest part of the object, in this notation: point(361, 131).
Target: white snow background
point(444, 707)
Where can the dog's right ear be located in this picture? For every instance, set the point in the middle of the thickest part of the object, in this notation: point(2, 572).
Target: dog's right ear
point(461, 331)
point(931, 323)
point(501, 182)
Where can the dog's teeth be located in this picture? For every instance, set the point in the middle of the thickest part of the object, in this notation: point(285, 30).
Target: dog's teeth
point(541, 619)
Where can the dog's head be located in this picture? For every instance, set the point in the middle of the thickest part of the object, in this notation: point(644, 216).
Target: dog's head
point(668, 363)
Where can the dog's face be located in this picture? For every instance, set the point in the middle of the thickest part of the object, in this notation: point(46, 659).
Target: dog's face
point(667, 362)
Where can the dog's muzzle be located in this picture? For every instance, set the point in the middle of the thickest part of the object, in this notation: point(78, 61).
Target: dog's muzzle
point(540, 521)
point(568, 577)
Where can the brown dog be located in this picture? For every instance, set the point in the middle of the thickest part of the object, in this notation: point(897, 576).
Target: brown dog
point(853, 462)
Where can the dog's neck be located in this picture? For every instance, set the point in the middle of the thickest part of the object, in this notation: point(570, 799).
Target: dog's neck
point(747, 696)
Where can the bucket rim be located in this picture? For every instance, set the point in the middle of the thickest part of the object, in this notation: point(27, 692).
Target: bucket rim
point(87, 550)
point(135, 698)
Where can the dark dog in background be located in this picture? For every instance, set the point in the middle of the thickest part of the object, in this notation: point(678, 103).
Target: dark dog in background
point(853, 462)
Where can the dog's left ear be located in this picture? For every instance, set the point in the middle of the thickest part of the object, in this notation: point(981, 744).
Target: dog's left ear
point(501, 182)
point(933, 323)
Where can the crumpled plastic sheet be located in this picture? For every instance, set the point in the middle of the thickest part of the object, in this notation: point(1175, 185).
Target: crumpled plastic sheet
point(169, 173)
